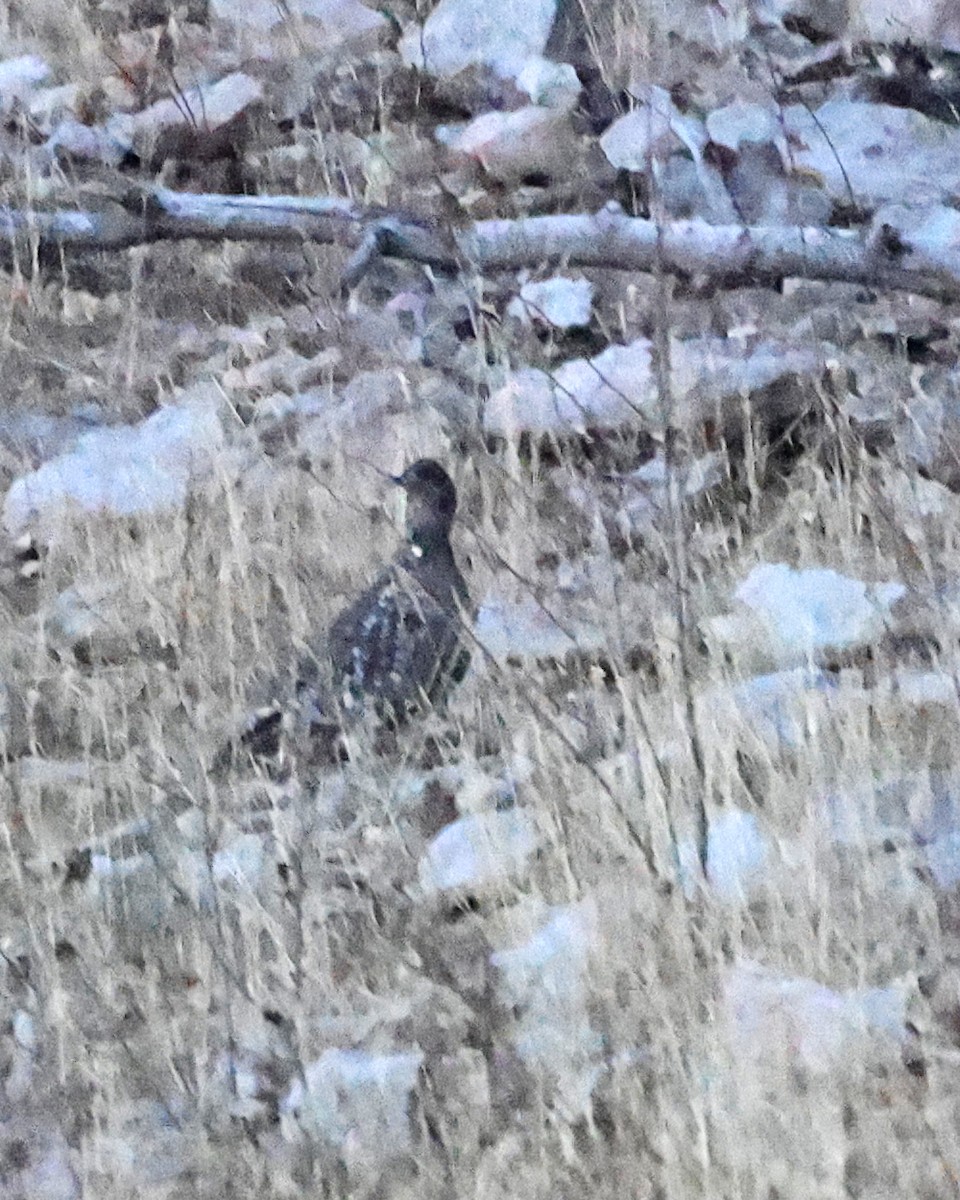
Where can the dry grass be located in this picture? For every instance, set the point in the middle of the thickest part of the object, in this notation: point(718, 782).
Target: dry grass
point(154, 1013)
point(152, 989)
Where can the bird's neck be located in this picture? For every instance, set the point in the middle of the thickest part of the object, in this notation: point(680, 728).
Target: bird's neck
point(432, 561)
point(429, 541)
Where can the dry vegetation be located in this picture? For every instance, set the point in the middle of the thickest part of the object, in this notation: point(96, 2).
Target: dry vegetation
point(157, 1009)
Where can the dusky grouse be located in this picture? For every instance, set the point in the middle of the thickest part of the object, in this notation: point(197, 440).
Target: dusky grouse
point(398, 648)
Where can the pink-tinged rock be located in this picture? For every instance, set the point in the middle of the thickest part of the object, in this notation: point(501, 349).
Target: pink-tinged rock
point(510, 145)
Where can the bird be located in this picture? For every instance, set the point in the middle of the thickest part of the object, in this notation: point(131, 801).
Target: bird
point(399, 647)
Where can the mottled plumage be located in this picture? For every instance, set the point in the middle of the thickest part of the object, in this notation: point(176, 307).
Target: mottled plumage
point(398, 647)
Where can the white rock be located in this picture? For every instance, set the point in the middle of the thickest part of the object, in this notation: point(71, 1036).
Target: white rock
point(692, 188)
point(260, 14)
point(613, 390)
point(774, 1018)
point(911, 806)
point(341, 19)
point(708, 367)
point(924, 688)
point(549, 84)
point(655, 129)
point(50, 105)
point(106, 144)
point(219, 102)
point(547, 978)
point(645, 493)
point(36, 436)
point(511, 145)
point(357, 1103)
point(737, 853)
point(876, 151)
point(240, 863)
point(776, 707)
point(827, 17)
point(943, 859)
point(526, 630)
point(933, 231)
point(561, 302)
point(502, 34)
point(740, 123)
point(19, 78)
point(800, 612)
point(83, 612)
point(24, 1029)
point(480, 850)
point(240, 1078)
point(917, 21)
point(122, 471)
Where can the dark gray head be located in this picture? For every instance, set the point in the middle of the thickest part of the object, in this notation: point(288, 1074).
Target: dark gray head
point(431, 503)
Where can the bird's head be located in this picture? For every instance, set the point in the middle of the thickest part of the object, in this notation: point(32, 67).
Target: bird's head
point(431, 503)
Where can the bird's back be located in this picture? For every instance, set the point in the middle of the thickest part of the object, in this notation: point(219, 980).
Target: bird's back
point(399, 646)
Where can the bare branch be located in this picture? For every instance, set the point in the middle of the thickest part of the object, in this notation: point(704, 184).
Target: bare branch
point(724, 253)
